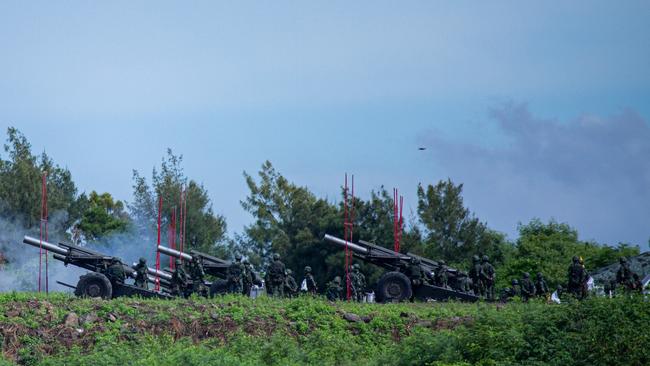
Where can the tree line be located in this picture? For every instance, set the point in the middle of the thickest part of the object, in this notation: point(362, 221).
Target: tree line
point(288, 219)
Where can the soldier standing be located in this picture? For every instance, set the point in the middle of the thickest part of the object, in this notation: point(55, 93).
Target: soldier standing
point(414, 271)
point(115, 272)
point(334, 289)
point(442, 277)
point(487, 277)
point(198, 277)
point(475, 275)
point(541, 288)
point(249, 277)
point(527, 287)
point(276, 276)
point(309, 283)
point(576, 276)
point(235, 276)
point(624, 275)
point(290, 285)
point(359, 282)
point(141, 274)
point(179, 280)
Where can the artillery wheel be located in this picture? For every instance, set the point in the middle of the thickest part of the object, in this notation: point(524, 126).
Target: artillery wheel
point(94, 285)
point(394, 287)
point(218, 287)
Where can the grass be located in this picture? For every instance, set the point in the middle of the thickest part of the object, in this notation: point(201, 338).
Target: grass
point(233, 330)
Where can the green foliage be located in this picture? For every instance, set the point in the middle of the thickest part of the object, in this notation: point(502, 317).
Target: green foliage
point(102, 216)
point(205, 230)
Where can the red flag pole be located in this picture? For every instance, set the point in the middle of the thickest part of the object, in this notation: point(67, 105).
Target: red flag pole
point(158, 242)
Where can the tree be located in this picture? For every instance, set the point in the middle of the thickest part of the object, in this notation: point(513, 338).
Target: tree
point(20, 187)
point(205, 230)
point(102, 216)
point(452, 232)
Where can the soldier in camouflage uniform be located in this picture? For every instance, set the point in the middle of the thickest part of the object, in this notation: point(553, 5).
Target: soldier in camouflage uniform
point(180, 280)
point(541, 288)
point(359, 283)
point(510, 292)
point(198, 277)
point(624, 275)
point(527, 288)
point(235, 276)
point(249, 277)
point(333, 291)
point(487, 277)
point(115, 272)
point(276, 276)
point(290, 285)
point(310, 282)
point(577, 277)
point(414, 272)
point(442, 278)
point(475, 275)
point(141, 274)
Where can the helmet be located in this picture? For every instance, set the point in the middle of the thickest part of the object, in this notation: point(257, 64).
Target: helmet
point(476, 258)
point(337, 279)
point(515, 282)
point(486, 258)
point(559, 287)
point(276, 257)
point(415, 260)
point(142, 260)
point(526, 275)
point(441, 262)
point(238, 257)
point(356, 265)
point(539, 275)
point(623, 260)
point(308, 269)
point(576, 259)
point(246, 262)
point(288, 272)
point(178, 262)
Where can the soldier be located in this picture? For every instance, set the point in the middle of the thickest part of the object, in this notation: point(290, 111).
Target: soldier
point(179, 281)
point(249, 277)
point(577, 275)
point(141, 274)
point(235, 276)
point(510, 292)
point(541, 288)
point(290, 285)
point(414, 271)
point(441, 278)
point(276, 276)
point(334, 289)
point(359, 283)
point(309, 284)
point(115, 272)
point(198, 277)
point(527, 288)
point(624, 275)
point(487, 278)
point(475, 275)
point(638, 285)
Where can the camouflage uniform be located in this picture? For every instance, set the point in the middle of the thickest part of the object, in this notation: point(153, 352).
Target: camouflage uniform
point(235, 276)
point(442, 278)
point(276, 277)
point(414, 272)
point(541, 288)
point(249, 277)
point(577, 277)
point(180, 280)
point(198, 277)
point(359, 283)
point(141, 274)
point(625, 276)
point(527, 288)
point(310, 282)
point(290, 285)
point(487, 278)
point(510, 292)
point(475, 275)
point(115, 272)
point(334, 289)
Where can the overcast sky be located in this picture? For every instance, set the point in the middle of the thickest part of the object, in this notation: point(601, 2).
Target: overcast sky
point(540, 110)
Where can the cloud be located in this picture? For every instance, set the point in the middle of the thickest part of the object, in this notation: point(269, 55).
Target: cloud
point(592, 172)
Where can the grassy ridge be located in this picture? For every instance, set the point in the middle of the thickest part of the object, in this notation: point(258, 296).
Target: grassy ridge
point(236, 330)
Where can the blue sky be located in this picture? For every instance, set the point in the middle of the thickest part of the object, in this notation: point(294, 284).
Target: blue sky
point(507, 96)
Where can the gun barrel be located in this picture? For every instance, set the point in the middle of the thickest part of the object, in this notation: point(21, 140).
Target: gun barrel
point(340, 242)
point(45, 245)
point(161, 274)
point(175, 253)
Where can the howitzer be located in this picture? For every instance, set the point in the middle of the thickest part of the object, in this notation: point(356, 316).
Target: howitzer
point(96, 283)
point(396, 284)
point(212, 266)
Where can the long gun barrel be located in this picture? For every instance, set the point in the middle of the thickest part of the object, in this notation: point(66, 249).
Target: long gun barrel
point(175, 253)
point(366, 249)
point(45, 245)
point(342, 243)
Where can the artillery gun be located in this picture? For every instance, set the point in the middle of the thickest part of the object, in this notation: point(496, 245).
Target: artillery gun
point(95, 283)
point(395, 284)
point(212, 266)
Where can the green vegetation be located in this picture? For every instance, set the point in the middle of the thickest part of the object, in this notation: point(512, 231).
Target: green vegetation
point(241, 331)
